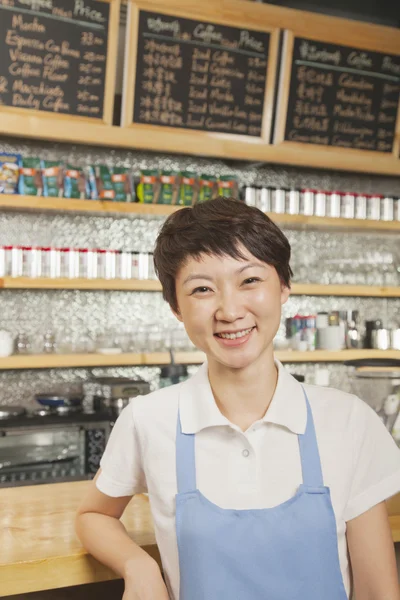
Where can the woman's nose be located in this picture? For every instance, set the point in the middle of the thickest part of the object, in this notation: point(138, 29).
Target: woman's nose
point(229, 308)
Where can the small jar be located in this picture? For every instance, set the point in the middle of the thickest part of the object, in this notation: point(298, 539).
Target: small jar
point(152, 273)
point(387, 209)
point(279, 201)
point(5, 261)
point(124, 270)
point(250, 196)
point(361, 206)
point(69, 263)
point(51, 262)
point(111, 264)
point(134, 260)
point(293, 202)
point(307, 201)
point(348, 206)
point(396, 210)
point(16, 261)
point(87, 263)
point(320, 203)
point(333, 202)
point(374, 207)
point(265, 199)
point(143, 265)
point(31, 261)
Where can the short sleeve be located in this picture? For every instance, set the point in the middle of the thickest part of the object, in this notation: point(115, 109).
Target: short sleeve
point(121, 465)
point(376, 462)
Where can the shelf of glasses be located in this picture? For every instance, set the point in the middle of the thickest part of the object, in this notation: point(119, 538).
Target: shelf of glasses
point(298, 289)
point(48, 361)
point(105, 207)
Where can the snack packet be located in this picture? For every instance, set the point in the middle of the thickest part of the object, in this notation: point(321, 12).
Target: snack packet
point(74, 182)
point(9, 172)
point(148, 190)
point(105, 189)
point(30, 177)
point(207, 188)
point(188, 189)
point(228, 186)
point(122, 184)
point(52, 177)
point(169, 191)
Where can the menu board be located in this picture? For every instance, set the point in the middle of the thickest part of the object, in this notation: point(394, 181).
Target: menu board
point(199, 75)
point(342, 96)
point(54, 55)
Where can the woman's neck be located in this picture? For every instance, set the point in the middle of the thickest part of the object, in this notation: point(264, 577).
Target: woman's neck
point(244, 395)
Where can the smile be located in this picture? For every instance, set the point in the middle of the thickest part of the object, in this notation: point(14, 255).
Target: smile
point(236, 335)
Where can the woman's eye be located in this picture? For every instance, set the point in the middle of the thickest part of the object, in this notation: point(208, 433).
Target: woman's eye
point(200, 290)
point(252, 280)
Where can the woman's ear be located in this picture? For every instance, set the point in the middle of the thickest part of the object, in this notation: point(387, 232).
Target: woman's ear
point(285, 293)
point(177, 314)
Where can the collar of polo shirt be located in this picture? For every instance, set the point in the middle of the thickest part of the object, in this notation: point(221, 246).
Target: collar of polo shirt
point(198, 409)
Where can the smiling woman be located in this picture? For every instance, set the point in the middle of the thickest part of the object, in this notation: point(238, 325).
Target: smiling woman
point(260, 487)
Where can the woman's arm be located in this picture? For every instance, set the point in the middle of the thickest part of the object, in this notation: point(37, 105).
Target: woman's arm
point(372, 555)
point(104, 536)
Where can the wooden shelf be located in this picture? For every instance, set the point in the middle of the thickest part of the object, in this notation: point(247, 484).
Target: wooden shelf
point(150, 285)
point(61, 283)
point(180, 141)
point(105, 207)
point(52, 361)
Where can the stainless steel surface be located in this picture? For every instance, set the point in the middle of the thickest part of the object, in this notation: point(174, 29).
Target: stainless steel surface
point(7, 412)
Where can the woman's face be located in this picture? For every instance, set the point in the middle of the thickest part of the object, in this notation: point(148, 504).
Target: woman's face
point(231, 308)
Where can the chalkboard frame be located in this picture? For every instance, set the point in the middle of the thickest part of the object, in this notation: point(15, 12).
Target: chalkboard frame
point(206, 12)
point(109, 84)
point(374, 43)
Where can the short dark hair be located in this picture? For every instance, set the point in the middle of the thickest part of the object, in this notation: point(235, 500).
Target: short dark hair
point(219, 227)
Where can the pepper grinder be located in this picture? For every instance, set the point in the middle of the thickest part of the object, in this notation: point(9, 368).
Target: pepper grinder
point(352, 334)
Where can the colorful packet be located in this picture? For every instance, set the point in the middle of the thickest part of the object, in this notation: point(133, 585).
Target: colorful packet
point(30, 177)
point(148, 189)
point(105, 189)
point(228, 186)
point(188, 188)
point(207, 188)
point(122, 184)
point(74, 182)
point(9, 172)
point(52, 177)
point(169, 181)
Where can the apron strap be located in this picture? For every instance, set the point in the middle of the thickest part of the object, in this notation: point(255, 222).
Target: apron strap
point(185, 459)
point(309, 453)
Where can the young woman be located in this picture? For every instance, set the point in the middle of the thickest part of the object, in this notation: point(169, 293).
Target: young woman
point(260, 488)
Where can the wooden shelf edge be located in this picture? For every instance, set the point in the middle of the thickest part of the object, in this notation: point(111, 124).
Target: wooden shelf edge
point(39, 203)
point(49, 361)
point(152, 285)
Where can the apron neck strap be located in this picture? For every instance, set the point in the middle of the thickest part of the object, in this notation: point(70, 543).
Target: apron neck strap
point(185, 459)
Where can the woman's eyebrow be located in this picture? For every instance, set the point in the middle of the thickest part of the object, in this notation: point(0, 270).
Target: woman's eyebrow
point(197, 276)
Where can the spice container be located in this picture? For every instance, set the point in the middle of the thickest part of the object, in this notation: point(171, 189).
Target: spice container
point(250, 196)
point(387, 209)
point(5, 260)
point(124, 266)
point(152, 273)
point(348, 206)
point(106, 264)
point(361, 206)
point(374, 207)
point(396, 210)
point(69, 263)
point(31, 261)
point(307, 202)
point(16, 261)
point(333, 204)
point(320, 203)
point(50, 262)
point(293, 205)
point(143, 259)
point(87, 263)
point(279, 200)
point(264, 201)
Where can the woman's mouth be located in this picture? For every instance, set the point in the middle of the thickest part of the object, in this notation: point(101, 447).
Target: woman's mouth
point(237, 338)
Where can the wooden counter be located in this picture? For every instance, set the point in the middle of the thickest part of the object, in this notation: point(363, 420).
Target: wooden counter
point(38, 546)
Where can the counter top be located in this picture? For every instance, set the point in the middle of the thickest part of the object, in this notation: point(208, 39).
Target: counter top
point(38, 546)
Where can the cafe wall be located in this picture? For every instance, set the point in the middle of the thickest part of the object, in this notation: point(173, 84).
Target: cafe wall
point(317, 256)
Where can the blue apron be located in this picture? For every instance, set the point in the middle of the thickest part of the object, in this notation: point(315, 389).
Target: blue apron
point(287, 552)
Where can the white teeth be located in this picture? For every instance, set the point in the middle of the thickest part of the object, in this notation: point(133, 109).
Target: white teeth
point(233, 336)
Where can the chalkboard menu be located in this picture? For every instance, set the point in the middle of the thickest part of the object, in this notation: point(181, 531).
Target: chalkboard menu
point(198, 75)
point(53, 55)
point(341, 96)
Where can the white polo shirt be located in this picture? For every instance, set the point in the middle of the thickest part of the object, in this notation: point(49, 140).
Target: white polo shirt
point(259, 468)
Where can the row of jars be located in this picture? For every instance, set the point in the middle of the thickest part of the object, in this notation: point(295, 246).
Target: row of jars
point(73, 263)
point(323, 203)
